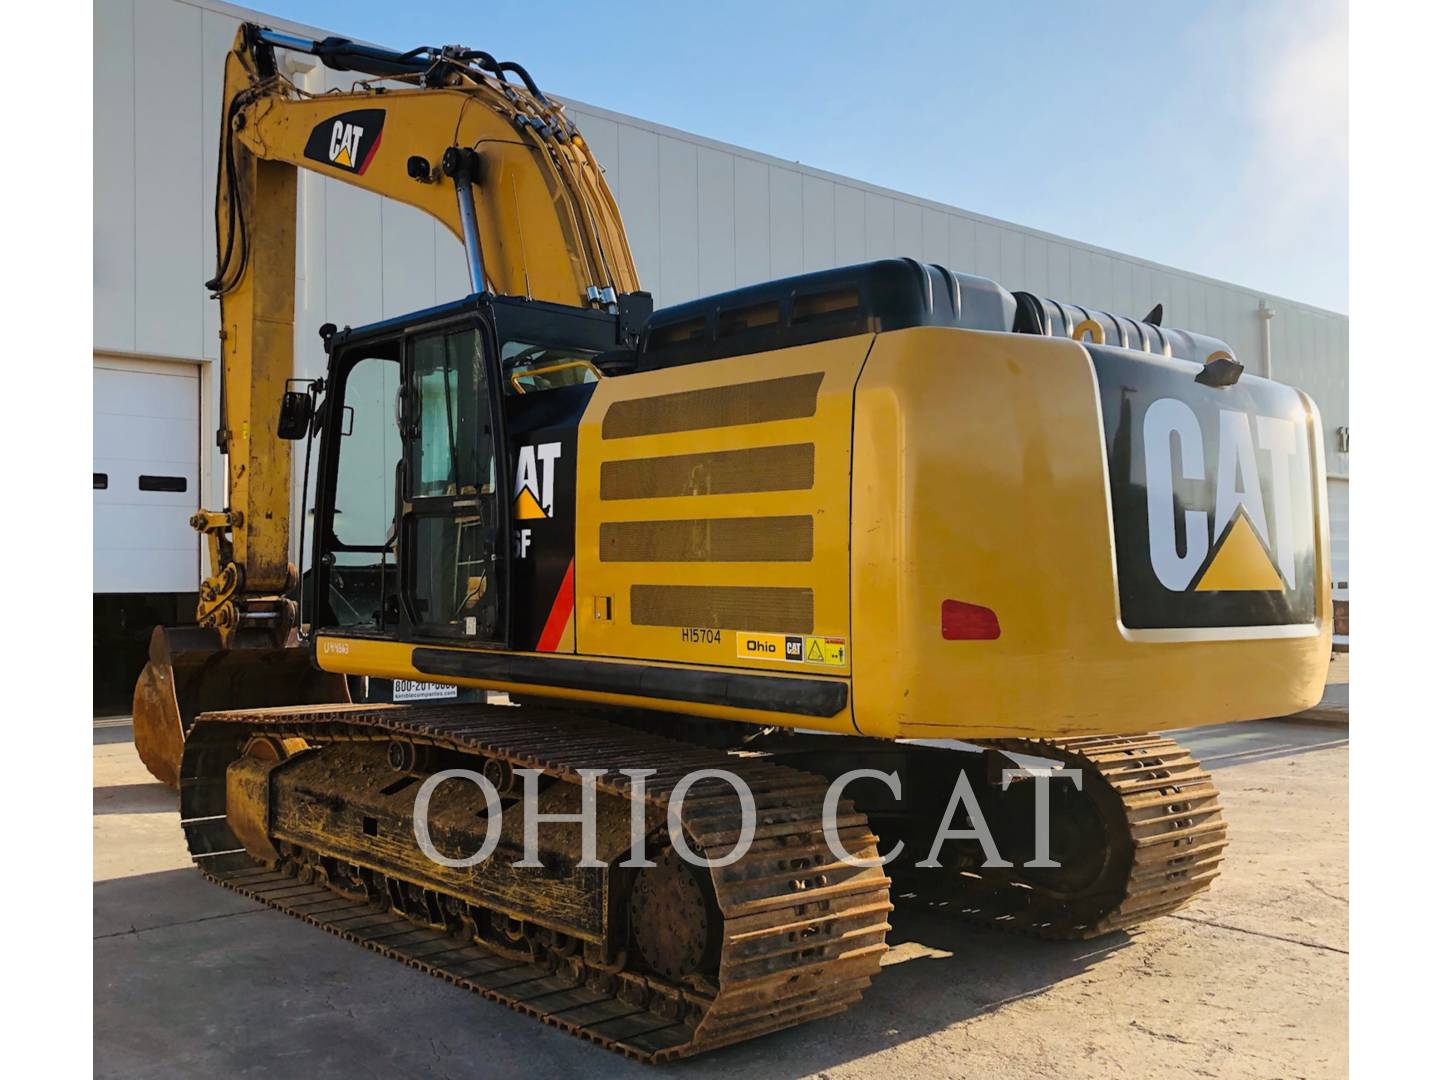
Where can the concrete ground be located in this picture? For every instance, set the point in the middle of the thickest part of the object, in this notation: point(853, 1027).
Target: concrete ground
point(1249, 981)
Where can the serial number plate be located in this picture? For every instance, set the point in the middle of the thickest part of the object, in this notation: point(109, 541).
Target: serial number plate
point(410, 690)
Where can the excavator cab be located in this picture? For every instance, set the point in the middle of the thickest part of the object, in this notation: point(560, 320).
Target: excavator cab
point(437, 470)
point(438, 511)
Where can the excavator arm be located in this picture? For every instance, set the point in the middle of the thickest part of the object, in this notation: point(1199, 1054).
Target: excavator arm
point(467, 139)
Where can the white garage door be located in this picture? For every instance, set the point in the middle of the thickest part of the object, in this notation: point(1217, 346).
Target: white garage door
point(147, 476)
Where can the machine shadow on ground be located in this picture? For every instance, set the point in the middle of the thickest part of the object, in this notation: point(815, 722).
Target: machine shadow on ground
point(200, 947)
point(963, 973)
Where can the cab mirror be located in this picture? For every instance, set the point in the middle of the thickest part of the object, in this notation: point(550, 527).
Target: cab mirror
point(296, 409)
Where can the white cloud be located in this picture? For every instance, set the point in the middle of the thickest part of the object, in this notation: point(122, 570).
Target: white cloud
point(1299, 56)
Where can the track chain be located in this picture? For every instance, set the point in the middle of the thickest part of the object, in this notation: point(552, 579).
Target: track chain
point(1168, 850)
point(802, 933)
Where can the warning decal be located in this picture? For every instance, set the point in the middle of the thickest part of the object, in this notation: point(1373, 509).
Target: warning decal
point(794, 648)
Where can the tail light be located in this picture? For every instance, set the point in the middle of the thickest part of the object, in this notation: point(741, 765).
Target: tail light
point(960, 621)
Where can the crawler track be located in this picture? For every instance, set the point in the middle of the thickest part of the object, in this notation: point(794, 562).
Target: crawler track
point(801, 934)
point(1165, 840)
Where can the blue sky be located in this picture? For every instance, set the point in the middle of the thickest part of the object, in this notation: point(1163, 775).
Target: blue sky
point(1207, 136)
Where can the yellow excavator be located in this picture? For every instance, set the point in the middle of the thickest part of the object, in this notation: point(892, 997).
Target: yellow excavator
point(885, 535)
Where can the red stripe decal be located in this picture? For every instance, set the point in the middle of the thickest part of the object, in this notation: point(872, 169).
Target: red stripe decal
point(371, 155)
point(559, 612)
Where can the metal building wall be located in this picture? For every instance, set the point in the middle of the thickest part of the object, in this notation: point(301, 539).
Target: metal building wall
point(702, 216)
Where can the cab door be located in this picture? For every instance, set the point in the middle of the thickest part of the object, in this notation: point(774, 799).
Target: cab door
point(454, 520)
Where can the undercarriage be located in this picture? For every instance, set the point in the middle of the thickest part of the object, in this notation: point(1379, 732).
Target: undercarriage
point(312, 810)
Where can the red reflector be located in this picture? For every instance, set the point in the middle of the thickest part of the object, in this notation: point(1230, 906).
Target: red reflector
point(960, 621)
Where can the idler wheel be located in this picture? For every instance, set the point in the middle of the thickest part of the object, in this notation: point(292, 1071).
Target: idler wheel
point(670, 917)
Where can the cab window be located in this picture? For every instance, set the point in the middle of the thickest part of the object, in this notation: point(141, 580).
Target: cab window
point(453, 454)
point(454, 517)
point(360, 524)
point(531, 369)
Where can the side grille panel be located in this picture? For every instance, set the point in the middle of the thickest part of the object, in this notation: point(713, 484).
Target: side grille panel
point(738, 539)
point(721, 472)
point(713, 508)
point(757, 609)
point(736, 405)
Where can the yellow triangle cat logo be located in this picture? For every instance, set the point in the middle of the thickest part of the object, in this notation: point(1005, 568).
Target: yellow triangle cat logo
point(527, 508)
point(343, 157)
point(1239, 562)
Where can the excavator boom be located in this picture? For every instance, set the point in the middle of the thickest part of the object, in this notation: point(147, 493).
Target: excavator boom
point(467, 139)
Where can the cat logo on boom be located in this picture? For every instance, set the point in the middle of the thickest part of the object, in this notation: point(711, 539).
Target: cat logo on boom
point(347, 141)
